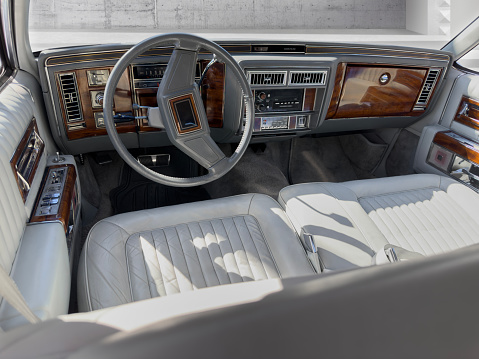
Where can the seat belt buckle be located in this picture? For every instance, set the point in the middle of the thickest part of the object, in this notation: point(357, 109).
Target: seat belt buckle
point(308, 241)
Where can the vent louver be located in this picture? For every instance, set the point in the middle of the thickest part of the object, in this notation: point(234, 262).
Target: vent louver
point(71, 103)
point(307, 78)
point(270, 78)
point(427, 89)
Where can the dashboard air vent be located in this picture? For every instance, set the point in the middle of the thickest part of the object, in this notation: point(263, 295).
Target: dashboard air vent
point(427, 89)
point(307, 78)
point(71, 103)
point(270, 78)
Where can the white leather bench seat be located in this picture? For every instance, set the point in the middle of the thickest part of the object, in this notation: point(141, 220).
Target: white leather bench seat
point(177, 249)
point(351, 221)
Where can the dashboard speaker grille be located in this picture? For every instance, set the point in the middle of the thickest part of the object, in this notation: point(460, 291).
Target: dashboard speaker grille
point(307, 78)
point(71, 103)
point(270, 78)
point(427, 89)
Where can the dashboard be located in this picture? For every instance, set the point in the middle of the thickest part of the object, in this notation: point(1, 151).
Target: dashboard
point(298, 89)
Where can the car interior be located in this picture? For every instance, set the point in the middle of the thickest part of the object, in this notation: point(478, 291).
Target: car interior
point(183, 197)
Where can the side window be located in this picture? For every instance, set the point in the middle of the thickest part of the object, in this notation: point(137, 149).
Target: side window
point(470, 60)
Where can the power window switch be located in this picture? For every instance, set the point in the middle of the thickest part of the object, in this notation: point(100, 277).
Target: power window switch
point(45, 211)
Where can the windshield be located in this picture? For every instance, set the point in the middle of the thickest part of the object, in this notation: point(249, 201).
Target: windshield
point(395, 22)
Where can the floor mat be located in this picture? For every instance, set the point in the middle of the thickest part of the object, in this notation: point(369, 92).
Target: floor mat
point(136, 192)
point(258, 171)
point(319, 160)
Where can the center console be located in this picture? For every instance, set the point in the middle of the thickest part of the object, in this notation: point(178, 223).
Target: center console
point(286, 100)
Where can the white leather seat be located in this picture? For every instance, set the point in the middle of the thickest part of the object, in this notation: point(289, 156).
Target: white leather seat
point(352, 221)
point(163, 251)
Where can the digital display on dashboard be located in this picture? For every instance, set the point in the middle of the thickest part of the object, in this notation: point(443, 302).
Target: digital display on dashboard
point(184, 114)
point(144, 72)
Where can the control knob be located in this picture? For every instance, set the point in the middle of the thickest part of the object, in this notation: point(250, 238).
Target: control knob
point(99, 98)
point(260, 107)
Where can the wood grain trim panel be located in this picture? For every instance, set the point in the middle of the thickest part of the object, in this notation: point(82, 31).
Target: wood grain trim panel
point(362, 95)
point(213, 93)
point(338, 85)
point(469, 152)
point(66, 199)
point(469, 118)
point(122, 102)
point(22, 150)
point(309, 99)
point(192, 103)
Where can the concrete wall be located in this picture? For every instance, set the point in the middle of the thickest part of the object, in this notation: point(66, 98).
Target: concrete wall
point(218, 14)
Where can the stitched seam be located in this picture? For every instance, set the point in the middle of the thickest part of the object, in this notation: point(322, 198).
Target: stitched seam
point(186, 262)
point(221, 252)
point(245, 251)
point(159, 263)
point(208, 250)
point(197, 256)
point(267, 246)
point(418, 231)
point(432, 214)
point(394, 193)
point(461, 224)
point(233, 251)
point(386, 223)
point(255, 247)
point(172, 264)
point(144, 262)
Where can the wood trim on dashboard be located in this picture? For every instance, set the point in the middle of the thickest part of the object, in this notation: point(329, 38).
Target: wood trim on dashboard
point(363, 95)
point(338, 85)
point(456, 143)
point(122, 102)
point(23, 150)
point(66, 199)
point(470, 115)
point(213, 93)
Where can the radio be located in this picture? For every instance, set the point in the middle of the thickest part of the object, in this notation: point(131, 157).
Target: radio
point(279, 100)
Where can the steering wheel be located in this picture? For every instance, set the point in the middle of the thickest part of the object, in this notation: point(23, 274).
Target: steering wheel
point(180, 110)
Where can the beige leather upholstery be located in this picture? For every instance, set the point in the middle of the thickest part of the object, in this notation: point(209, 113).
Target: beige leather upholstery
point(163, 251)
point(36, 256)
point(351, 221)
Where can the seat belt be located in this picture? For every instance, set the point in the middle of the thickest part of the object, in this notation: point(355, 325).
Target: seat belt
point(311, 251)
point(10, 292)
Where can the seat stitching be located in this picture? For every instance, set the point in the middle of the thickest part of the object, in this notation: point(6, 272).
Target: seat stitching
point(223, 254)
point(221, 251)
point(232, 250)
point(394, 193)
point(197, 256)
point(172, 264)
point(418, 231)
point(146, 269)
point(130, 281)
point(442, 226)
point(462, 224)
point(386, 223)
point(244, 249)
point(267, 246)
point(208, 250)
point(186, 262)
point(159, 263)
point(445, 228)
point(255, 247)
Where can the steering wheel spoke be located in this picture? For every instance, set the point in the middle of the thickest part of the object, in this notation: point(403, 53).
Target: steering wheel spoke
point(180, 108)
